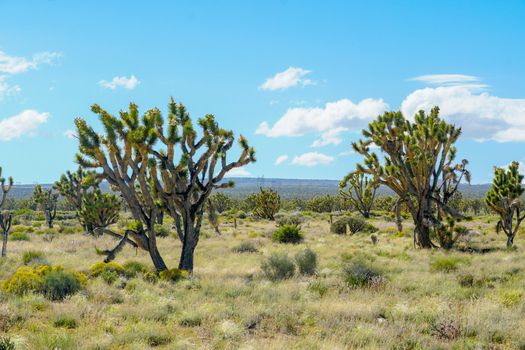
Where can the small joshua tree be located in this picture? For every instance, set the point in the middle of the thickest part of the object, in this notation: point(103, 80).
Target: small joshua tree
point(5, 187)
point(213, 216)
point(266, 204)
point(5, 226)
point(47, 201)
point(360, 192)
point(137, 157)
point(99, 210)
point(504, 199)
point(418, 166)
point(73, 187)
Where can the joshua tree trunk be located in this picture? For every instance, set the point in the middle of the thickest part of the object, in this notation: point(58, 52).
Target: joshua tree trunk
point(5, 225)
point(189, 243)
point(158, 262)
point(4, 243)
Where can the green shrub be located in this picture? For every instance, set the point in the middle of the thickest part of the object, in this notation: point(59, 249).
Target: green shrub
point(161, 231)
point(282, 219)
point(351, 225)
point(151, 277)
point(57, 285)
point(65, 322)
point(109, 277)
point(190, 320)
point(245, 247)
point(33, 257)
point(318, 287)
point(445, 264)
point(158, 339)
point(278, 266)
point(132, 268)
point(25, 279)
point(360, 274)
point(6, 343)
point(306, 261)
point(511, 297)
point(19, 236)
point(288, 234)
point(98, 268)
point(173, 275)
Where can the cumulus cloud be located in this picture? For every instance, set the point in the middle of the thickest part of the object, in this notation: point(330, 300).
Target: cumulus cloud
point(293, 76)
point(24, 123)
point(123, 82)
point(6, 89)
point(482, 116)
point(312, 159)
point(281, 159)
point(16, 65)
point(70, 134)
point(329, 121)
point(239, 172)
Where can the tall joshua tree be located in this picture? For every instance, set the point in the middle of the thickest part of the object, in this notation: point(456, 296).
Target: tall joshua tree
point(137, 157)
point(74, 186)
point(47, 201)
point(504, 199)
point(417, 165)
point(360, 193)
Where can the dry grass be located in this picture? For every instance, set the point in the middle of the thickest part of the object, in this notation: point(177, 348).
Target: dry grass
point(228, 304)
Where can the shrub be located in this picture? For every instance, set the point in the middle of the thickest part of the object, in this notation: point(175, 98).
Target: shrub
point(510, 297)
point(448, 329)
point(318, 287)
point(278, 266)
point(59, 284)
point(306, 261)
point(445, 264)
point(245, 247)
point(109, 277)
point(161, 231)
point(151, 277)
point(360, 274)
point(25, 279)
point(6, 343)
point(190, 320)
point(288, 234)
point(98, 268)
point(296, 219)
point(33, 257)
point(173, 275)
point(351, 225)
point(132, 268)
point(19, 236)
point(65, 322)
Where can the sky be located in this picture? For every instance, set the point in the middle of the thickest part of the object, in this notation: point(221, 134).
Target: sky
point(299, 79)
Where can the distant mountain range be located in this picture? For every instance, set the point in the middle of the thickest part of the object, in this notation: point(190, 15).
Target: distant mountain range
point(287, 188)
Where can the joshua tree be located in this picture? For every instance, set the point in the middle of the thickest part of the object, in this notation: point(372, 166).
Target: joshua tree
point(504, 199)
point(74, 186)
point(99, 210)
point(266, 204)
point(47, 201)
point(221, 202)
point(417, 165)
point(5, 225)
point(137, 157)
point(5, 187)
point(213, 216)
point(361, 192)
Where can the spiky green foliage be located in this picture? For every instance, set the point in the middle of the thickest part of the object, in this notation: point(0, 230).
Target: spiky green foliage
point(418, 165)
point(74, 186)
point(222, 202)
point(99, 209)
point(213, 216)
point(360, 192)
point(266, 203)
point(47, 202)
point(5, 187)
point(504, 199)
point(138, 158)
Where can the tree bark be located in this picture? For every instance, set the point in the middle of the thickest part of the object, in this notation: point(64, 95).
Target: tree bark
point(158, 262)
point(4, 243)
point(189, 243)
point(422, 236)
point(510, 241)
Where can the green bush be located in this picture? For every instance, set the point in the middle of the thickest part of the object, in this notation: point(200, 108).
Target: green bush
point(65, 322)
point(98, 268)
point(57, 285)
point(318, 287)
point(109, 277)
point(19, 236)
point(6, 343)
point(161, 231)
point(306, 261)
point(132, 268)
point(25, 279)
point(351, 225)
point(190, 320)
point(282, 219)
point(445, 264)
point(173, 275)
point(360, 274)
point(288, 234)
point(33, 257)
point(278, 266)
point(245, 247)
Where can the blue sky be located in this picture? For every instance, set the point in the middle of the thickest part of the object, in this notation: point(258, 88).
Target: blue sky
point(298, 78)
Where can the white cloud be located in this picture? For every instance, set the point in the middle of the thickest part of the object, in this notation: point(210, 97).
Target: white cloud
point(331, 136)
point(70, 134)
point(239, 172)
point(335, 115)
point(346, 153)
point(441, 79)
point(124, 82)
point(6, 89)
point(281, 159)
point(312, 159)
point(482, 116)
point(24, 123)
point(16, 65)
point(293, 76)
